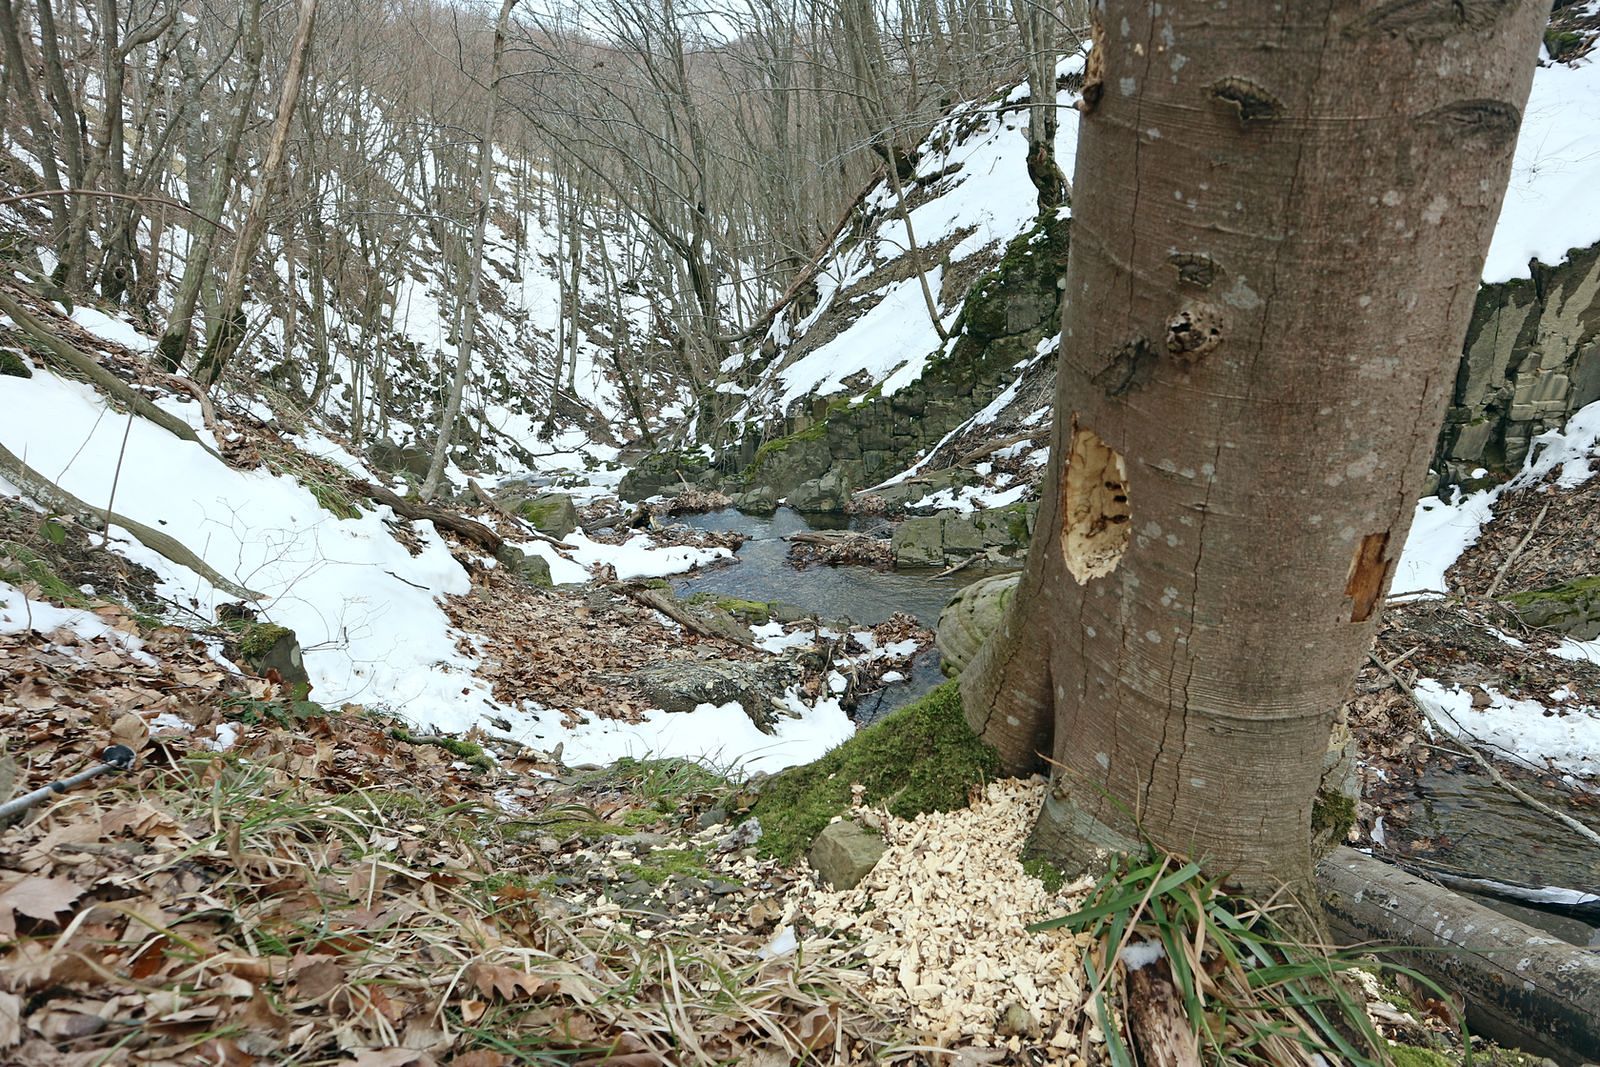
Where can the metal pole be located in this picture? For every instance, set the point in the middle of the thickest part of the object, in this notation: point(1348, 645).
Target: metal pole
point(117, 758)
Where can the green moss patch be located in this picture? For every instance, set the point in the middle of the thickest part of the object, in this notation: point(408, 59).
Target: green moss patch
point(1334, 813)
point(923, 757)
point(257, 639)
point(1577, 591)
point(755, 612)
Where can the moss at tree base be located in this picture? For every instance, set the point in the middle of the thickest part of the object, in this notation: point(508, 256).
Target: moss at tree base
point(923, 757)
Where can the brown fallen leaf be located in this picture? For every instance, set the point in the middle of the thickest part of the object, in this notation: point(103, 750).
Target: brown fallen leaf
point(483, 1057)
point(37, 898)
point(508, 983)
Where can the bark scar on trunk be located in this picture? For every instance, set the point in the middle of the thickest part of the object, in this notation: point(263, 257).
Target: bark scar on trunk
point(1369, 573)
point(1094, 515)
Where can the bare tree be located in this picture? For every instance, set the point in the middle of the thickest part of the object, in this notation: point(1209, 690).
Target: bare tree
point(474, 266)
point(225, 338)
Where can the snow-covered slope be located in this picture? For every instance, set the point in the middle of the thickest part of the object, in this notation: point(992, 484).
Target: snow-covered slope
point(867, 323)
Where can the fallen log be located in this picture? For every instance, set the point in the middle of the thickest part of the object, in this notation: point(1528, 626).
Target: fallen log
point(989, 448)
point(471, 529)
point(827, 537)
point(1522, 986)
point(669, 607)
point(63, 353)
point(44, 491)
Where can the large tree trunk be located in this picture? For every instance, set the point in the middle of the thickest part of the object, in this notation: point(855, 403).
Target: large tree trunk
point(1281, 215)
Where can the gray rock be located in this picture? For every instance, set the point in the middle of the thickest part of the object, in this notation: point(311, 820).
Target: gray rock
point(758, 501)
point(744, 835)
point(1572, 608)
point(683, 685)
point(829, 493)
point(400, 459)
point(844, 853)
point(919, 542)
point(550, 513)
point(535, 570)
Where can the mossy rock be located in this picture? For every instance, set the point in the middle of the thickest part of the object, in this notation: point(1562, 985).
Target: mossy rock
point(923, 757)
point(754, 612)
point(530, 567)
point(1571, 608)
point(264, 647)
point(550, 513)
point(15, 364)
point(970, 617)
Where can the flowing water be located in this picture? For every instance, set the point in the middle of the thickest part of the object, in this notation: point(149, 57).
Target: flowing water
point(863, 595)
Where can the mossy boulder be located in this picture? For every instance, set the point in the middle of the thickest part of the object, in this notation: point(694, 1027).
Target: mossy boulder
point(264, 647)
point(922, 757)
point(531, 568)
point(400, 459)
point(970, 617)
point(758, 501)
point(1571, 608)
point(15, 364)
point(550, 513)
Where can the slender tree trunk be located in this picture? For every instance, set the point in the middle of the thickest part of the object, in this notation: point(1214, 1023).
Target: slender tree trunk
point(1276, 247)
point(1036, 26)
point(73, 146)
point(474, 286)
point(43, 139)
point(174, 343)
point(225, 339)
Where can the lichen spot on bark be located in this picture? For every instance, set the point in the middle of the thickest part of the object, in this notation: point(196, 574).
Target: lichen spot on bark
point(1369, 570)
point(1094, 515)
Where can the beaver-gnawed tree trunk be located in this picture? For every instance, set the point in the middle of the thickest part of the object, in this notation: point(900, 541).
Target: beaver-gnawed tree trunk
point(1280, 217)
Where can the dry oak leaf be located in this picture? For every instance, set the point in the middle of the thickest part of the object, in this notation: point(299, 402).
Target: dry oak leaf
point(508, 983)
point(37, 898)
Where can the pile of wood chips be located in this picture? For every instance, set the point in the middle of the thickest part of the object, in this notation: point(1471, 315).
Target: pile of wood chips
point(941, 921)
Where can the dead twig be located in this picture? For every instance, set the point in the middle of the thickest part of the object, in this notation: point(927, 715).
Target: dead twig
point(1505, 568)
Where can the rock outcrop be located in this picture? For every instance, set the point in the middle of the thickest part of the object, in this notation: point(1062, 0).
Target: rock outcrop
point(1532, 358)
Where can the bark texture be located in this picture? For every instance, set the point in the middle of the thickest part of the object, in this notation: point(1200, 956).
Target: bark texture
point(1280, 218)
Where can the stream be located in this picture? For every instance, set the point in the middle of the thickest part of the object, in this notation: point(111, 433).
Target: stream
point(1457, 817)
point(863, 595)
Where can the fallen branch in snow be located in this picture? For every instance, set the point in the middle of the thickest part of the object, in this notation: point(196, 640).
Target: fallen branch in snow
point(208, 410)
point(51, 495)
point(62, 351)
point(989, 448)
point(471, 529)
point(1499, 779)
point(669, 607)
